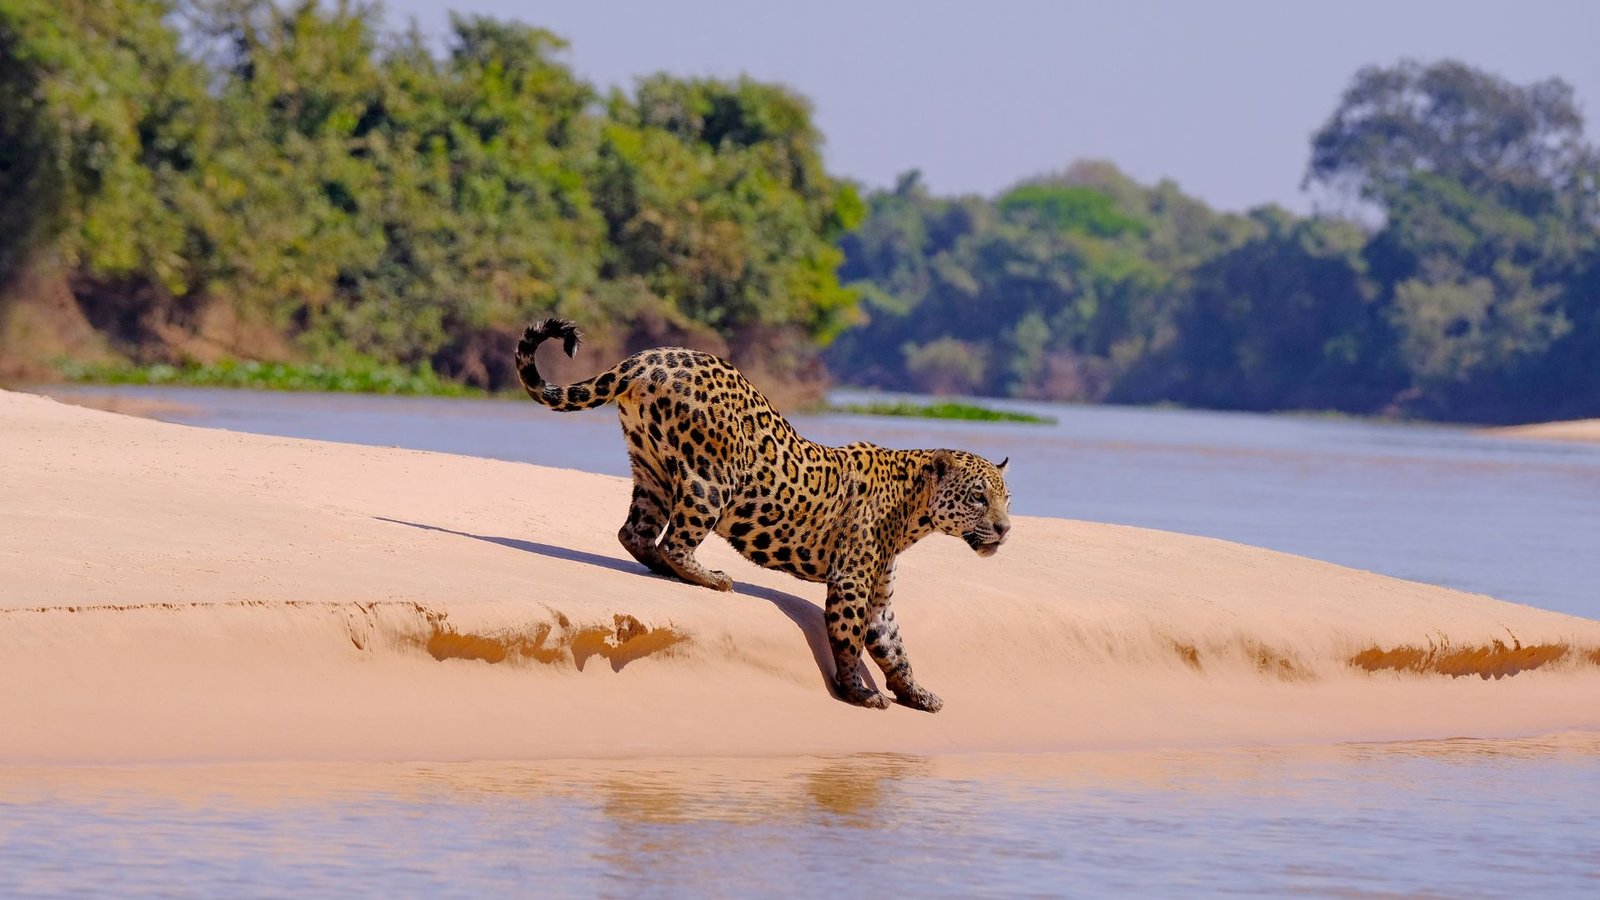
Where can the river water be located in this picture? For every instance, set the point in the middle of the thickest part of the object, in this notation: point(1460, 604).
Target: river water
point(1458, 818)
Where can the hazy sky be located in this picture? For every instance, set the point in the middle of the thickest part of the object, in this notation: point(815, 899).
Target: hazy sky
point(1220, 95)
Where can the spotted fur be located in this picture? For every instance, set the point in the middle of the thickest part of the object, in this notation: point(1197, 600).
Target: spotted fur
point(709, 453)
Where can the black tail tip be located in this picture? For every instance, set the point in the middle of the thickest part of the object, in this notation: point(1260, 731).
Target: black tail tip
point(551, 328)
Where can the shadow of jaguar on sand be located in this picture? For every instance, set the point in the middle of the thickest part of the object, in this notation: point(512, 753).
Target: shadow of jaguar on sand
point(629, 633)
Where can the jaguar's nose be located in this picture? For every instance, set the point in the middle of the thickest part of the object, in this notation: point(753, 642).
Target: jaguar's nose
point(1000, 529)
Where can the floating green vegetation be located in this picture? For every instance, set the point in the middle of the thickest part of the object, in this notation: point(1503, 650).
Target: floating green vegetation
point(941, 410)
point(358, 377)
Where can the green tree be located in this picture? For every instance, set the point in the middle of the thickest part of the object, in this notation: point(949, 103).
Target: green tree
point(1519, 143)
point(1286, 320)
point(98, 115)
point(1488, 195)
point(715, 197)
point(1062, 284)
point(945, 366)
point(1071, 207)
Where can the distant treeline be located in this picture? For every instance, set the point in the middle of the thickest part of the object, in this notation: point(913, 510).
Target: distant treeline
point(244, 177)
point(198, 181)
point(1476, 296)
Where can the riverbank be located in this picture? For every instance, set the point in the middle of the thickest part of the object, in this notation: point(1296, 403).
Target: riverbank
point(177, 594)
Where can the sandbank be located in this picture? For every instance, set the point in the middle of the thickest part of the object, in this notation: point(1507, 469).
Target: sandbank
point(175, 594)
point(1576, 430)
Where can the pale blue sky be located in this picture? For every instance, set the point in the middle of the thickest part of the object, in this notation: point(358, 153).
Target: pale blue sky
point(1221, 95)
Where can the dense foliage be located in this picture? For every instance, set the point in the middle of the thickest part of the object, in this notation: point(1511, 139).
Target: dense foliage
point(199, 181)
point(1477, 296)
point(240, 177)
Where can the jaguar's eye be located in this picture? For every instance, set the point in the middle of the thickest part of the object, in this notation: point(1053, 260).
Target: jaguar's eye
point(980, 498)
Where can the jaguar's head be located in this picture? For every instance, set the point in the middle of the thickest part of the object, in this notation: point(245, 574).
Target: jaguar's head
point(970, 499)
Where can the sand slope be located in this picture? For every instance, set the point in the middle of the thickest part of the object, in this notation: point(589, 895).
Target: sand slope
point(174, 593)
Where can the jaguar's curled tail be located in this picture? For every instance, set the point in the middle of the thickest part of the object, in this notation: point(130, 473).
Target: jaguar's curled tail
point(596, 391)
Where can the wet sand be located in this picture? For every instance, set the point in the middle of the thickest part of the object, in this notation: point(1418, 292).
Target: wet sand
point(179, 594)
point(119, 403)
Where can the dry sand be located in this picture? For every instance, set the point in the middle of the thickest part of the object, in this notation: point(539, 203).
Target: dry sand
point(1577, 430)
point(176, 594)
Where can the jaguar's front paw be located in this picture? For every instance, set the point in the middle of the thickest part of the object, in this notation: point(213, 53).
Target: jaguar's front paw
point(861, 695)
point(918, 697)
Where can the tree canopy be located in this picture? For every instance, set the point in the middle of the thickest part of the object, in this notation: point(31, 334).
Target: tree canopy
point(248, 177)
point(204, 180)
point(1520, 144)
point(1473, 297)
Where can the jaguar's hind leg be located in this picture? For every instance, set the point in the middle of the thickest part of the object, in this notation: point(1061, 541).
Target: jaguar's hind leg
point(698, 506)
point(647, 516)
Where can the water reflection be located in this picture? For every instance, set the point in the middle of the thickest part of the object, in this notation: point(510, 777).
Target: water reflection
point(1452, 817)
point(856, 788)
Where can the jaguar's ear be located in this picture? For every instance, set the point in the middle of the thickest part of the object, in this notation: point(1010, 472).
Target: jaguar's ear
point(1001, 466)
point(943, 462)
